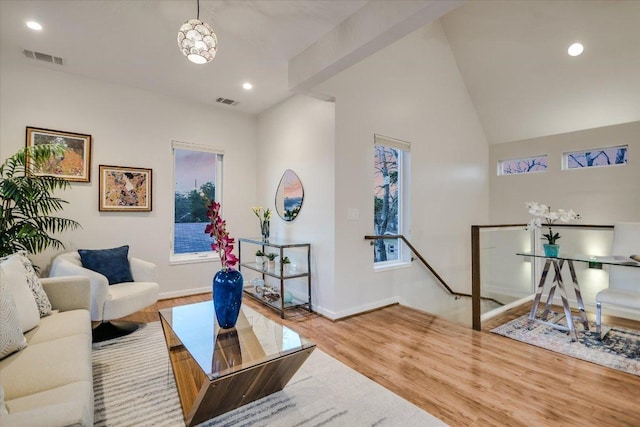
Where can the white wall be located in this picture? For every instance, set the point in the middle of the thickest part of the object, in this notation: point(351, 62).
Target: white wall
point(600, 195)
point(130, 127)
point(412, 91)
point(603, 195)
point(298, 134)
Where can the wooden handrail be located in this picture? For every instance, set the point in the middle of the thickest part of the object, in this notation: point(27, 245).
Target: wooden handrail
point(554, 225)
point(425, 263)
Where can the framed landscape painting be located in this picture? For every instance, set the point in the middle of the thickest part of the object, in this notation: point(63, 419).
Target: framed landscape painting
point(74, 164)
point(125, 189)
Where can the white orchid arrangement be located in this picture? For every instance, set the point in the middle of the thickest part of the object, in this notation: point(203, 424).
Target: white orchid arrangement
point(544, 216)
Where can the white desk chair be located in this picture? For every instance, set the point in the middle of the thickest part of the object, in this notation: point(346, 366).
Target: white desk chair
point(624, 282)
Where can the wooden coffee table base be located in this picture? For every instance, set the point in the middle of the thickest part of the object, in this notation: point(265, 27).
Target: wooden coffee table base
point(203, 399)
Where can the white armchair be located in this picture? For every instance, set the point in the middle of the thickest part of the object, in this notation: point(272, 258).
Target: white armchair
point(109, 302)
point(624, 282)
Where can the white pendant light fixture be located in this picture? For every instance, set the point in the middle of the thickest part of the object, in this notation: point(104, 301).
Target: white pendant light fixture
point(197, 41)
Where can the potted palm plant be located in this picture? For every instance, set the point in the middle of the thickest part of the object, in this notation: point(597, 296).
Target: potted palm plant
point(27, 202)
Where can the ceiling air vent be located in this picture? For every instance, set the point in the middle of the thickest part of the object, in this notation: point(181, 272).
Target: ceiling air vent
point(43, 57)
point(227, 101)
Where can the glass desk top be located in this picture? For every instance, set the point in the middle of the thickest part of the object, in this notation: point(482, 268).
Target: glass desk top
point(220, 352)
point(606, 260)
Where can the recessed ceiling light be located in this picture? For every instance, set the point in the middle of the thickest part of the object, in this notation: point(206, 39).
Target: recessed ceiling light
point(34, 25)
point(247, 86)
point(575, 49)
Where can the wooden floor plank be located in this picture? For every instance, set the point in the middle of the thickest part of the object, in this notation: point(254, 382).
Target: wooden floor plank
point(462, 376)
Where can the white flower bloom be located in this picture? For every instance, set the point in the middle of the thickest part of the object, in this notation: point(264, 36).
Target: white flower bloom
point(534, 223)
point(537, 209)
point(566, 216)
point(550, 217)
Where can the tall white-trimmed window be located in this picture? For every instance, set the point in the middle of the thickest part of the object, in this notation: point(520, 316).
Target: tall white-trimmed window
point(523, 165)
point(595, 157)
point(197, 173)
point(390, 196)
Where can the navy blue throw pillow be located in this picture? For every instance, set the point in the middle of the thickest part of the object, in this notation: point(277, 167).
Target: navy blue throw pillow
point(112, 263)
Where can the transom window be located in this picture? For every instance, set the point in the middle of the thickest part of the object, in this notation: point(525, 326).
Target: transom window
point(524, 165)
point(596, 157)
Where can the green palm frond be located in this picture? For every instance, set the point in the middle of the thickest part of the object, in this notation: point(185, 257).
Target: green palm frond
point(27, 202)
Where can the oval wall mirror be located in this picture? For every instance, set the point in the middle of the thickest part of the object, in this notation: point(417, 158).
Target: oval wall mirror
point(289, 196)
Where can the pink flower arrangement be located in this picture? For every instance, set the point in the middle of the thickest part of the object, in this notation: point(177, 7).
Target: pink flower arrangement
point(223, 244)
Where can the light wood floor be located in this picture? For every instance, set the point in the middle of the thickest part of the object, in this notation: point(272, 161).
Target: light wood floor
point(462, 376)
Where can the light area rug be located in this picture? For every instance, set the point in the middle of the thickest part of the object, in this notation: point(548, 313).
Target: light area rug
point(134, 386)
point(620, 348)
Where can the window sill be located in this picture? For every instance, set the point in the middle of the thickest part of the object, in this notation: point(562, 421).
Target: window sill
point(193, 258)
point(391, 266)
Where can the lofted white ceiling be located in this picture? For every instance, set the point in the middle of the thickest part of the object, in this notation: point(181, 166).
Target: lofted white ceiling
point(511, 54)
point(133, 42)
point(513, 58)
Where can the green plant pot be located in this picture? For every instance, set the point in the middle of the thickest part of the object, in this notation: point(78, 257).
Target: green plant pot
point(551, 251)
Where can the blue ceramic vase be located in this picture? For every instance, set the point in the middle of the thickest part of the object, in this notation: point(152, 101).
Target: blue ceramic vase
point(227, 297)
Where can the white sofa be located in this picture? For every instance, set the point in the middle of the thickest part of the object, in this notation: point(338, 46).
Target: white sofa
point(50, 382)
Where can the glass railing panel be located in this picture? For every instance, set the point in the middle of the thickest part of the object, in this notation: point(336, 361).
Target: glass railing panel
point(505, 276)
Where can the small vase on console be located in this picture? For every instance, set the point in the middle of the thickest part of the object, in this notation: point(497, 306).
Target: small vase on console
point(264, 231)
point(264, 215)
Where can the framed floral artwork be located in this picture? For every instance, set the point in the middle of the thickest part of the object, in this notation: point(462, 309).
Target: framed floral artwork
point(74, 164)
point(125, 189)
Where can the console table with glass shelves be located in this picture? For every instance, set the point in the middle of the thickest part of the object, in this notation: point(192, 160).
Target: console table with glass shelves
point(280, 274)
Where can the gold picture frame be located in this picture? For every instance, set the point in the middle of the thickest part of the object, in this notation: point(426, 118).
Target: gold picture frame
point(75, 164)
point(125, 189)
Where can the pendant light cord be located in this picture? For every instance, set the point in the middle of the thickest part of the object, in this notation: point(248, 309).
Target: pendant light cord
point(198, 14)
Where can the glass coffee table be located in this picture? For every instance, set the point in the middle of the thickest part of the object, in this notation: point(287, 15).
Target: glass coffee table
point(217, 370)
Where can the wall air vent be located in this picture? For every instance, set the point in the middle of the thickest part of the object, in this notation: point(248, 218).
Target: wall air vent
point(43, 57)
point(227, 101)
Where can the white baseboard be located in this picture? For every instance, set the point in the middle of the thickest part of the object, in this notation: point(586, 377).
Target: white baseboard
point(337, 315)
point(184, 293)
point(505, 307)
point(500, 291)
point(330, 314)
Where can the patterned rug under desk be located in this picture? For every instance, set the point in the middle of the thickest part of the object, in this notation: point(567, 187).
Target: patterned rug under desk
point(134, 386)
point(620, 348)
